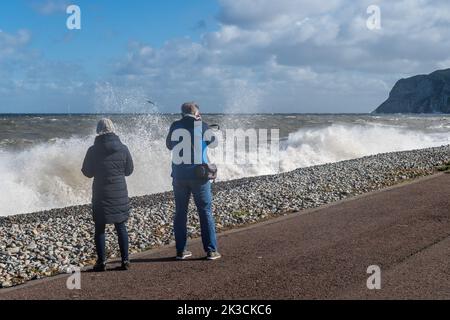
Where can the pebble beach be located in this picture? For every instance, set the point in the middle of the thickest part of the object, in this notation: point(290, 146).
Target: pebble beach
point(47, 243)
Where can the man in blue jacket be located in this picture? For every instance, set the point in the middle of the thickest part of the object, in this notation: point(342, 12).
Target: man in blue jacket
point(186, 140)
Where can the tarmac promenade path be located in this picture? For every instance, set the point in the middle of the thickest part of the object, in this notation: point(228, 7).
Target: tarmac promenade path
point(316, 254)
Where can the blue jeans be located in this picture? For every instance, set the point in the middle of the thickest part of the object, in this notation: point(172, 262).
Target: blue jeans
point(100, 239)
point(203, 200)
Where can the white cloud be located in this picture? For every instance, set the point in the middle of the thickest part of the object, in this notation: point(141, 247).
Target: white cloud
point(256, 14)
point(31, 83)
point(48, 7)
point(305, 49)
point(335, 35)
point(12, 44)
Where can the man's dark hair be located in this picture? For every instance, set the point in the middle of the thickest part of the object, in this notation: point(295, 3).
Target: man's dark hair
point(190, 108)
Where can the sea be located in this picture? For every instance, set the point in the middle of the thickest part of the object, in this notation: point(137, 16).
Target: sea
point(41, 155)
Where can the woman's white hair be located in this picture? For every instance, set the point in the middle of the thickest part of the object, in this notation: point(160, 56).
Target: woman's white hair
point(105, 126)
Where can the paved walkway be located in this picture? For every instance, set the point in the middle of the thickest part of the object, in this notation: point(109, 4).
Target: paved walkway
point(322, 253)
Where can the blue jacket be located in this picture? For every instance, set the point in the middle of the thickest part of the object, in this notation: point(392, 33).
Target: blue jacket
point(108, 161)
point(185, 171)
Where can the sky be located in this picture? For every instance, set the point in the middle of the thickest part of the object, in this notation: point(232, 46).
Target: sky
point(231, 56)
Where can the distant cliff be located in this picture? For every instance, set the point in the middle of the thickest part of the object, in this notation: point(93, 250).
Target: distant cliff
point(420, 94)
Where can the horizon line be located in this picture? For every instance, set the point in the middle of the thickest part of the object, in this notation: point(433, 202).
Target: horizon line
point(176, 113)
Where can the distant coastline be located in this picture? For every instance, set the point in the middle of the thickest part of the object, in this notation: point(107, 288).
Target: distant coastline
point(420, 94)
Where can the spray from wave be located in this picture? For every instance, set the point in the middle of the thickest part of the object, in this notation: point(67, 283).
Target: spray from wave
point(335, 143)
point(47, 175)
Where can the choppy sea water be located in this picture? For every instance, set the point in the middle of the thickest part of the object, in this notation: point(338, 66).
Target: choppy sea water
point(41, 155)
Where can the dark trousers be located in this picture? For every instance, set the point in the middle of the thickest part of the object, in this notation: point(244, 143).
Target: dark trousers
point(100, 239)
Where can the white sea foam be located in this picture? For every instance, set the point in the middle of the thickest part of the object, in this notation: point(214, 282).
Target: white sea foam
point(48, 175)
point(308, 147)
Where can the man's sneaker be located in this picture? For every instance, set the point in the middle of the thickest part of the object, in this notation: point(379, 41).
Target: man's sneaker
point(184, 255)
point(99, 267)
point(213, 255)
point(126, 265)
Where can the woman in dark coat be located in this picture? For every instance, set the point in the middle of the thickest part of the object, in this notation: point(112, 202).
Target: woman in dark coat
point(109, 161)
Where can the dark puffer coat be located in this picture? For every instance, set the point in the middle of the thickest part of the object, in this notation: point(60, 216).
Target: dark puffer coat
point(109, 161)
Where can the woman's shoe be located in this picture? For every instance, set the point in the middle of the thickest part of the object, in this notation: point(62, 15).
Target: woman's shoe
point(100, 267)
point(126, 265)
